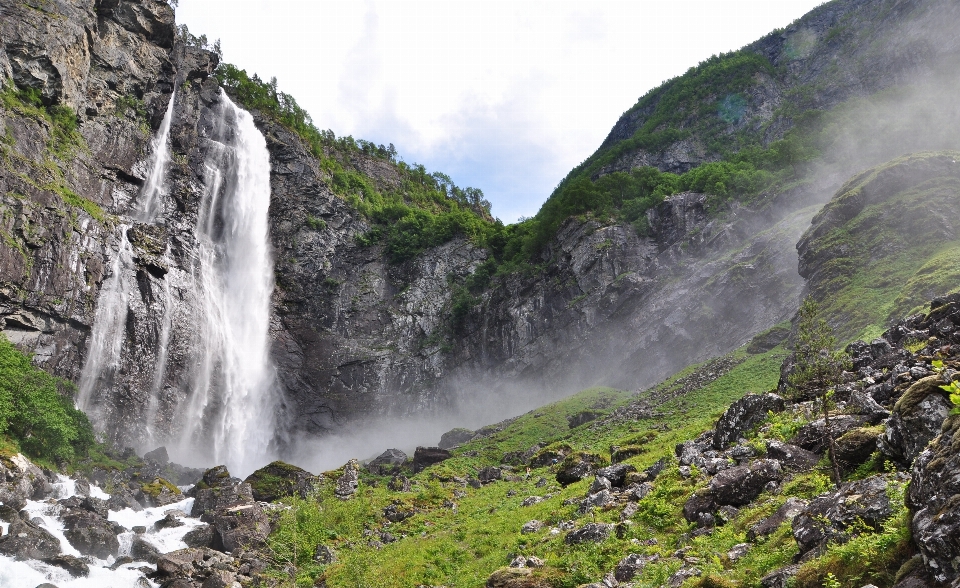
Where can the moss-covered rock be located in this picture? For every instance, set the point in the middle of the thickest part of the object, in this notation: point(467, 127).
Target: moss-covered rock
point(280, 479)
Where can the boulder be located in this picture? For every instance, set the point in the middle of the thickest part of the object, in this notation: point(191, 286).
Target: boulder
point(739, 485)
point(158, 456)
point(780, 578)
point(349, 481)
point(616, 473)
point(828, 517)
point(143, 550)
point(455, 437)
point(934, 496)
point(324, 555)
point(792, 457)
point(589, 533)
point(201, 536)
point(856, 446)
point(161, 492)
point(547, 457)
point(582, 418)
point(682, 575)
point(489, 474)
point(91, 534)
point(531, 527)
point(25, 540)
point(279, 479)
point(628, 567)
point(915, 420)
point(424, 457)
point(577, 466)
point(787, 512)
point(864, 404)
point(597, 500)
point(813, 436)
point(74, 565)
point(388, 462)
point(743, 415)
point(21, 480)
point(396, 513)
point(515, 578)
point(245, 526)
point(122, 498)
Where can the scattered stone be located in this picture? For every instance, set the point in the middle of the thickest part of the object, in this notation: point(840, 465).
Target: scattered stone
point(739, 485)
point(531, 500)
point(523, 561)
point(828, 516)
point(640, 492)
point(790, 509)
point(395, 514)
point(349, 481)
point(743, 415)
point(600, 483)
point(169, 521)
point(582, 418)
point(616, 473)
point(387, 463)
point(591, 532)
point(324, 555)
point(738, 551)
point(864, 404)
point(278, 480)
point(727, 513)
point(577, 466)
point(514, 578)
point(399, 484)
point(681, 576)
point(628, 511)
point(628, 567)
point(428, 456)
point(780, 578)
point(541, 483)
point(598, 500)
point(533, 526)
point(489, 474)
point(792, 457)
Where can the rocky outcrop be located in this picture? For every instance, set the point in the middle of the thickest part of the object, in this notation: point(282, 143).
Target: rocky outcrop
point(833, 517)
point(278, 479)
point(916, 419)
point(743, 415)
point(934, 496)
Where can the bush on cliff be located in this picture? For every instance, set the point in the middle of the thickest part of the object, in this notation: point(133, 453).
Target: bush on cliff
point(37, 412)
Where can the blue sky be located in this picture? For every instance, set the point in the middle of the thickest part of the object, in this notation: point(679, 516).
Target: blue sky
point(502, 96)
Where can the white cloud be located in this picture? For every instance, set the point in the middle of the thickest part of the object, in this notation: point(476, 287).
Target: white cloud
point(503, 96)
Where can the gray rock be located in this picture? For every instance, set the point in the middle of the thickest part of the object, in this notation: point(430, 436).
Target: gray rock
point(743, 415)
point(682, 575)
point(856, 446)
point(531, 500)
point(158, 456)
point(628, 567)
point(349, 481)
point(828, 516)
point(394, 513)
point(790, 509)
point(201, 536)
point(934, 496)
point(598, 500)
point(780, 578)
point(427, 456)
point(792, 457)
point(390, 461)
point(616, 473)
point(531, 527)
point(143, 550)
point(600, 483)
point(813, 436)
point(76, 566)
point(740, 485)
point(455, 437)
point(25, 540)
point(915, 420)
point(91, 534)
point(589, 533)
point(324, 555)
point(738, 551)
point(489, 474)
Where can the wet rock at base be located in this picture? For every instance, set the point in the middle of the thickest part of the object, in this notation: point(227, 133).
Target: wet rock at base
point(91, 534)
point(279, 479)
point(25, 540)
point(201, 536)
point(76, 566)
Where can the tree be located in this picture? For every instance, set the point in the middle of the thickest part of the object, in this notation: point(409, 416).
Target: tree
point(818, 367)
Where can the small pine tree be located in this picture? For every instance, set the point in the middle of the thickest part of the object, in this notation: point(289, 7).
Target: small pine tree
point(818, 367)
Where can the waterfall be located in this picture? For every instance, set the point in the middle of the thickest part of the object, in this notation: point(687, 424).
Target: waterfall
point(107, 340)
point(233, 401)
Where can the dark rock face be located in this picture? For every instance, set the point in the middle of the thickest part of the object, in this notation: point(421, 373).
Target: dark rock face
point(934, 495)
point(743, 415)
point(828, 516)
point(616, 473)
point(202, 536)
point(427, 456)
point(790, 509)
point(279, 479)
point(76, 566)
point(856, 446)
point(813, 436)
point(916, 419)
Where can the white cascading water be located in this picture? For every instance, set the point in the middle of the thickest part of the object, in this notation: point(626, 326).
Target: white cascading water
point(229, 414)
point(232, 405)
point(106, 341)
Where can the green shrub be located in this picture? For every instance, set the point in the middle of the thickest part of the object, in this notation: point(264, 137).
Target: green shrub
point(36, 409)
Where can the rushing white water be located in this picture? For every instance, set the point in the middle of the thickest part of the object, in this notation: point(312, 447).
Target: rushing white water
point(155, 187)
point(233, 398)
point(31, 573)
